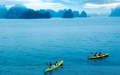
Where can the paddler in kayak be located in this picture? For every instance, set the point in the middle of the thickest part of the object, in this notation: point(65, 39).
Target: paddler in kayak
point(50, 66)
point(99, 54)
point(56, 63)
point(95, 54)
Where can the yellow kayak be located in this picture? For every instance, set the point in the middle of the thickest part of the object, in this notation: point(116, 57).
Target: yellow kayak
point(95, 57)
point(49, 69)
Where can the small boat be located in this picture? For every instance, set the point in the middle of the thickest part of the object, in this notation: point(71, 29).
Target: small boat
point(95, 57)
point(49, 69)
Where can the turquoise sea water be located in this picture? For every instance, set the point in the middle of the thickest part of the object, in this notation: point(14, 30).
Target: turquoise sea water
point(27, 45)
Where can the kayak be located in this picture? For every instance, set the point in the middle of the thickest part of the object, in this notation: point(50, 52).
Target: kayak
point(95, 57)
point(49, 69)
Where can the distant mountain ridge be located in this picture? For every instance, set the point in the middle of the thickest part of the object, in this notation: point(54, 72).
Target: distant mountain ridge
point(76, 13)
point(16, 11)
point(31, 14)
point(115, 12)
point(83, 14)
point(53, 13)
point(3, 11)
point(61, 12)
point(68, 14)
point(21, 11)
point(99, 15)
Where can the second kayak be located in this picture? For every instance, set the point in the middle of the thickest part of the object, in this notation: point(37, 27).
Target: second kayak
point(95, 57)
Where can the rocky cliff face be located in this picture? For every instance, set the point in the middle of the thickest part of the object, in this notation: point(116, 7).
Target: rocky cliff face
point(115, 12)
point(68, 14)
point(76, 14)
point(53, 13)
point(61, 12)
point(16, 11)
point(46, 15)
point(3, 11)
point(83, 14)
point(32, 14)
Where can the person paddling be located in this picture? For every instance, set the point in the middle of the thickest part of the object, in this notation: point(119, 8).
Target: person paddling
point(95, 54)
point(50, 65)
point(99, 54)
point(56, 63)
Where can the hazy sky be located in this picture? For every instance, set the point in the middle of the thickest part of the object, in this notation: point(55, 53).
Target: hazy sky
point(90, 6)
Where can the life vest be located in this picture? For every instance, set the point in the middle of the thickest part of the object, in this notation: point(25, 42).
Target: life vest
point(94, 54)
point(50, 67)
point(56, 63)
point(99, 54)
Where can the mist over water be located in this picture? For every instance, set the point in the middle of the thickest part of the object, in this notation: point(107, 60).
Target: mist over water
point(26, 45)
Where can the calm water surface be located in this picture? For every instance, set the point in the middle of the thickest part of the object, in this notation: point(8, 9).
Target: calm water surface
point(27, 45)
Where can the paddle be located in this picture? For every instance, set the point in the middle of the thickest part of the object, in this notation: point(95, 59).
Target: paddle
point(47, 64)
point(92, 53)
